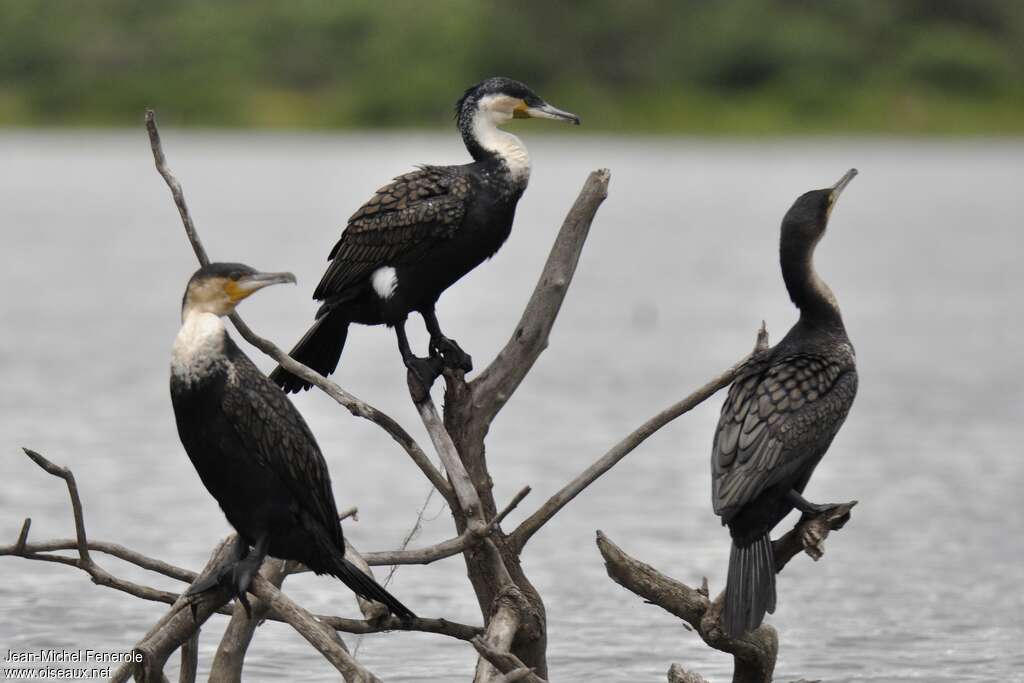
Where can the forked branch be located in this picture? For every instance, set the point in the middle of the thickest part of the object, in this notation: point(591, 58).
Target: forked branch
point(753, 653)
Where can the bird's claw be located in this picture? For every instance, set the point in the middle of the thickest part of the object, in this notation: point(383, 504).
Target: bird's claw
point(241, 578)
point(424, 371)
point(816, 510)
point(452, 354)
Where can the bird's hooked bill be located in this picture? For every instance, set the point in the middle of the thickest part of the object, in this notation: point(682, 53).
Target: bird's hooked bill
point(546, 111)
point(253, 282)
point(843, 182)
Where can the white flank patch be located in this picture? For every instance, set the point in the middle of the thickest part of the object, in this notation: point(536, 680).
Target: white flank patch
point(508, 147)
point(385, 282)
point(198, 346)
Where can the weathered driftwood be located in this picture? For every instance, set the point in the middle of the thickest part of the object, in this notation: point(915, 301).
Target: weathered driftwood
point(754, 653)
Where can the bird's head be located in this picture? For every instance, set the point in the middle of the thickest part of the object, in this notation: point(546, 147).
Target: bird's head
point(219, 287)
point(807, 219)
point(498, 100)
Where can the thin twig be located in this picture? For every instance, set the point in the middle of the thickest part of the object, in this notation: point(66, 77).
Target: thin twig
point(444, 549)
point(76, 502)
point(19, 546)
point(175, 186)
point(107, 548)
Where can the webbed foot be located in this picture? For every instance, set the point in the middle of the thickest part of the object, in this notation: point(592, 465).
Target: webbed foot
point(234, 576)
point(241, 578)
point(809, 509)
point(453, 355)
point(424, 371)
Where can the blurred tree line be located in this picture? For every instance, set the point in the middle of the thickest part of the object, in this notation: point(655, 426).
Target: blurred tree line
point(701, 66)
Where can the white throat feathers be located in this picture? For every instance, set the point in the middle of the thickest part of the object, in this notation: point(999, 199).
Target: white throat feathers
point(199, 346)
point(493, 111)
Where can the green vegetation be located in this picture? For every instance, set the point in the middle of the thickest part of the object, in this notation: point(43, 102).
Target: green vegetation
point(688, 66)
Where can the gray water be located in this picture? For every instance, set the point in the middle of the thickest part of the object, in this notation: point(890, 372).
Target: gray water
point(923, 253)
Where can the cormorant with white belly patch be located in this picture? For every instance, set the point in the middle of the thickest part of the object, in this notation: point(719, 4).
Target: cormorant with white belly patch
point(783, 410)
point(252, 449)
point(420, 234)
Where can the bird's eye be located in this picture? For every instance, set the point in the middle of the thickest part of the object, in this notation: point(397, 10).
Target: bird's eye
point(235, 274)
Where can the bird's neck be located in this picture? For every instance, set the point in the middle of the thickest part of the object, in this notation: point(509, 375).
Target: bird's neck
point(199, 347)
point(817, 304)
point(485, 140)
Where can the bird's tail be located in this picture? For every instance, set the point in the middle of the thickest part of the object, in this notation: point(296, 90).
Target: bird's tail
point(366, 587)
point(750, 590)
point(320, 349)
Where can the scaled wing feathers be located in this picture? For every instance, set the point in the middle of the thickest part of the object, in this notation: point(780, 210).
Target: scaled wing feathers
point(766, 418)
point(397, 225)
point(278, 438)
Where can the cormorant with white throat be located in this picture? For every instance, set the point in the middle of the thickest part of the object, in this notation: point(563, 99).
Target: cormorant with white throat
point(252, 449)
point(417, 236)
point(783, 410)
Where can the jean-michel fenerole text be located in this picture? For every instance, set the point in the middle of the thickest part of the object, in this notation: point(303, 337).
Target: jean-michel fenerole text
point(54, 655)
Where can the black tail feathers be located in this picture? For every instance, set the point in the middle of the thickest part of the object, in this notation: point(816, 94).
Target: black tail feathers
point(320, 349)
point(366, 587)
point(750, 591)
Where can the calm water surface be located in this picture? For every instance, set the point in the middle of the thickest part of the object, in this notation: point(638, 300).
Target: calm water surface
point(923, 253)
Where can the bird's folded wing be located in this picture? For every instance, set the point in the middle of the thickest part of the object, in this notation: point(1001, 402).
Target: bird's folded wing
point(771, 414)
point(278, 438)
point(398, 224)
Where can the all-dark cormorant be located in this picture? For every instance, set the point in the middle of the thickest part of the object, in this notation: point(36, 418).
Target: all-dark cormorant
point(783, 410)
point(421, 233)
point(250, 446)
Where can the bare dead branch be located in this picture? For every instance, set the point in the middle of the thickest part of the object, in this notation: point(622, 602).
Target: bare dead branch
point(175, 186)
point(444, 549)
point(809, 535)
point(676, 674)
point(441, 627)
point(354, 405)
point(534, 522)
point(76, 503)
point(505, 662)
point(185, 617)
point(234, 643)
point(517, 675)
point(84, 560)
point(426, 555)
point(189, 659)
point(506, 615)
point(753, 653)
point(19, 545)
point(179, 625)
point(317, 634)
point(355, 626)
point(465, 492)
point(107, 548)
point(495, 385)
point(516, 500)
